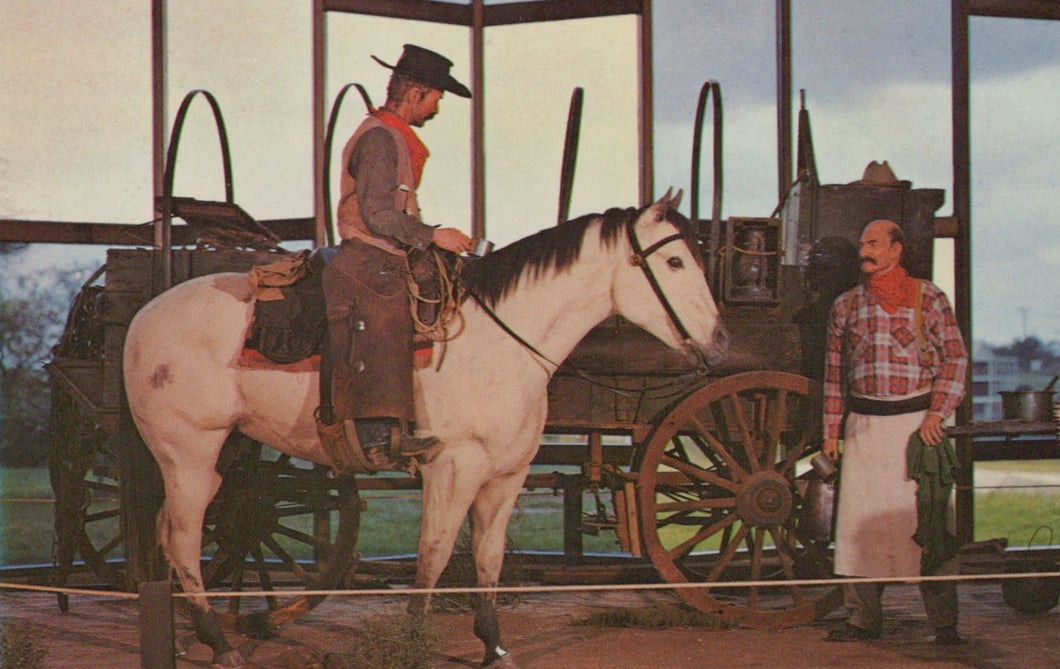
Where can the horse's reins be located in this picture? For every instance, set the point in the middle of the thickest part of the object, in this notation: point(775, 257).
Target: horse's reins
point(640, 259)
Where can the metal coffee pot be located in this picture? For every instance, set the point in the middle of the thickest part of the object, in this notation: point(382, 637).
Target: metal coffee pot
point(817, 519)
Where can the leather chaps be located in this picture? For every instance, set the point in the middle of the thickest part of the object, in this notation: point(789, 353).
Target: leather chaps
point(370, 333)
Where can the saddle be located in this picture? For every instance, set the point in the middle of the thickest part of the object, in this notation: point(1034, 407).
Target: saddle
point(290, 316)
point(290, 325)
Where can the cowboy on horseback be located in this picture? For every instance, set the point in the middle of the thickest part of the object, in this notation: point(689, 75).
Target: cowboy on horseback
point(370, 325)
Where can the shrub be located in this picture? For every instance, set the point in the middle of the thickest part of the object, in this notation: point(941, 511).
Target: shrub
point(20, 646)
point(396, 641)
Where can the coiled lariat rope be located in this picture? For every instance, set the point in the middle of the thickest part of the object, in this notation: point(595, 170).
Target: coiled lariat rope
point(448, 302)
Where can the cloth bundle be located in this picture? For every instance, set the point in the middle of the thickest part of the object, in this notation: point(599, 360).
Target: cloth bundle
point(932, 467)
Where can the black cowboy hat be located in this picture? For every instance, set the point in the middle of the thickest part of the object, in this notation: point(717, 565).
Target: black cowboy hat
point(427, 67)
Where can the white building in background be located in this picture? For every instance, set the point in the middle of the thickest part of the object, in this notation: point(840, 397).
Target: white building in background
point(991, 374)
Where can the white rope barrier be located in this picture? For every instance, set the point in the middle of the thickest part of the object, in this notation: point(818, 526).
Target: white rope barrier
point(68, 591)
point(529, 589)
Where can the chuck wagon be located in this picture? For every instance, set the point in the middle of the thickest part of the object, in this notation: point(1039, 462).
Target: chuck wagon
point(706, 470)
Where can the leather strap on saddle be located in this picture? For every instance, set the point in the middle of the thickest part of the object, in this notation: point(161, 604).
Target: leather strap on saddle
point(343, 446)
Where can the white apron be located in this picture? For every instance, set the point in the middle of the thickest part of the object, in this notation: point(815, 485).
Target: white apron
point(877, 518)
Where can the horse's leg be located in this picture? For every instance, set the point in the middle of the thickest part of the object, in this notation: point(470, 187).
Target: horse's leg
point(448, 489)
point(490, 513)
point(190, 486)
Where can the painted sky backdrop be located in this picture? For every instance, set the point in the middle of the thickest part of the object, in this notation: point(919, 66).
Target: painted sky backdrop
point(75, 116)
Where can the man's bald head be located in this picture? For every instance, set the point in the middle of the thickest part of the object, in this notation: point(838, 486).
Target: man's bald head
point(881, 246)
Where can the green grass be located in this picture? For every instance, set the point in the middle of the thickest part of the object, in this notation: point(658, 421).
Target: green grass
point(1023, 516)
point(26, 516)
point(1042, 466)
point(390, 525)
point(1018, 516)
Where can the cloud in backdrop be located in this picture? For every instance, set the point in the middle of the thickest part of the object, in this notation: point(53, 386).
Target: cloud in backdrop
point(75, 132)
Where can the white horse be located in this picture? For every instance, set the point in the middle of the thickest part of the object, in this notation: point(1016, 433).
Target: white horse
point(487, 402)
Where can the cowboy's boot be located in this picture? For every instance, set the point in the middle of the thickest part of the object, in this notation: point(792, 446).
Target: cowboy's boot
point(384, 443)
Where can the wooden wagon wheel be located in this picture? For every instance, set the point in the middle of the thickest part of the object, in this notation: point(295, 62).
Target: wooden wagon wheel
point(717, 502)
point(82, 463)
point(275, 522)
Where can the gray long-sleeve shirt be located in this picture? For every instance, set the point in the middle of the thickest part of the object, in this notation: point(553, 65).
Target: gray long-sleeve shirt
point(373, 166)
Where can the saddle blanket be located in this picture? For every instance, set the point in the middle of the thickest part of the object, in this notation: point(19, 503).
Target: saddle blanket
point(251, 359)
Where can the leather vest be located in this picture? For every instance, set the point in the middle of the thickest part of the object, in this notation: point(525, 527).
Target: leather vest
point(351, 225)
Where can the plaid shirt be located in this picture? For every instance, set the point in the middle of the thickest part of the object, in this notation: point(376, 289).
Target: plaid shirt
point(884, 356)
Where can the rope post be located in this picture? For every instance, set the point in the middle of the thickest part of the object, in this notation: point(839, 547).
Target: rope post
point(157, 648)
point(572, 518)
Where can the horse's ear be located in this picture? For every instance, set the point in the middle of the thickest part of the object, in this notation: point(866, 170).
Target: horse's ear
point(675, 202)
point(662, 205)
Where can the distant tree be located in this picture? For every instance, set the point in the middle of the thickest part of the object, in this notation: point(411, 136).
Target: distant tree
point(1029, 350)
point(32, 315)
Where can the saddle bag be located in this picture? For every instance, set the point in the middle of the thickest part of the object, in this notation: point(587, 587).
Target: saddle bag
point(290, 318)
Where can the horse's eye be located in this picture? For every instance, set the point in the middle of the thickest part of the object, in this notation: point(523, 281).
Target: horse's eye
point(675, 263)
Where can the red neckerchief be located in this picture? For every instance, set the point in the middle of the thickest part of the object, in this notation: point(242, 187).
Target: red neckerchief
point(417, 149)
point(893, 289)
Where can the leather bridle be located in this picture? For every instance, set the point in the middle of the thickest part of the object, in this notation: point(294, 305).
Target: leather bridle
point(638, 258)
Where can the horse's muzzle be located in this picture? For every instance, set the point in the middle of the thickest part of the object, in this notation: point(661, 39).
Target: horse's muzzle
point(712, 354)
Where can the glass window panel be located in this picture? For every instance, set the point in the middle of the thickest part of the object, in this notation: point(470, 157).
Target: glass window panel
point(75, 139)
point(352, 40)
point(530, 73)
point(877, 81)
point(1015, 94)
point(732, 42)
point(255, 59)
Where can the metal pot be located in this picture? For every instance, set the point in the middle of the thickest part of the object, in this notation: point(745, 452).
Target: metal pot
point(1027, 405)
point(1031, 594)
point(817, 517)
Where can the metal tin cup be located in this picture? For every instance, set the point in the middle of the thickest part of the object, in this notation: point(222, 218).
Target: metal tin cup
point(482, 247)
point(824, 467)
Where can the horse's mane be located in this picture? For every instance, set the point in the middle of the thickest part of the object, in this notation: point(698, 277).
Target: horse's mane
point(493, 277)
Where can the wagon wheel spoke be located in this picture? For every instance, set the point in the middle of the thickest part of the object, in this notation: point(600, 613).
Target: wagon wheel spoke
point(788, 564)
point(223, 566)
point(235, 603)
point(726, 555)
point(739, 429)
point(287, 559)
point(83, 467)
point(266, 580)
point(278, 521)
point(703, 435)
point(773, 427)
point(686, 547)
point(319, 545)
point(700, 474)
point(756, 566)
point(717, 501)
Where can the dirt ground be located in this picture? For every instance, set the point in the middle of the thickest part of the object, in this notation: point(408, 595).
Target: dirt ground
point(101, 632)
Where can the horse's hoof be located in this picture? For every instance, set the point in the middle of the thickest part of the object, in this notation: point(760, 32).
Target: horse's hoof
point(255, 625)
point(504, 662)
point(231, 658)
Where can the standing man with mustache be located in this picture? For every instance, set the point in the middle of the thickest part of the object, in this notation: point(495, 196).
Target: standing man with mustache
point(895, 365)
point(369, 319)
